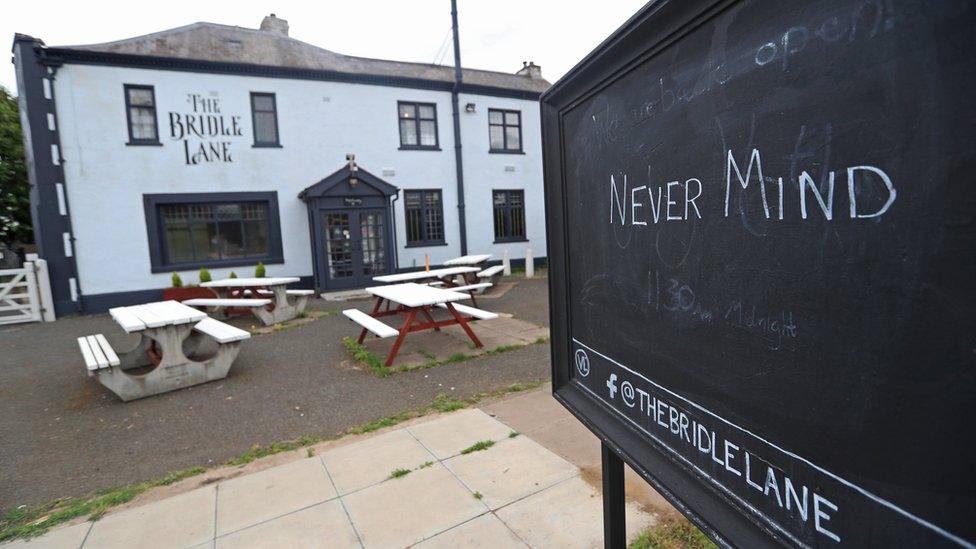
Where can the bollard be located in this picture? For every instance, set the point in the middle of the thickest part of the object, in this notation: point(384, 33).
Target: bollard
point(529, 264)
point(506, 264)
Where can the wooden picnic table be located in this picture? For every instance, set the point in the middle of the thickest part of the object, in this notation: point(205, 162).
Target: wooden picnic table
point(281, 307)
point(168, 330)
point(410, 299)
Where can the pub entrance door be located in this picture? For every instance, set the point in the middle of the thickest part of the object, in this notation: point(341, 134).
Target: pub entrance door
point(355, 246)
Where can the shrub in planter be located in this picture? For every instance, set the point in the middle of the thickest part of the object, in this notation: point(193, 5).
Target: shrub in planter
point(232, 275)
point(205, 275)
point(177, 281)
point(179, 292)
point(259, 271)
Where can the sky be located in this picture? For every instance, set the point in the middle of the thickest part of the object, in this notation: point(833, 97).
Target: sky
point(495, 34)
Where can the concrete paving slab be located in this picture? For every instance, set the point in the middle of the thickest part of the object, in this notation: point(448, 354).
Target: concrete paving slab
point(570, 439)
point(448, 435)
point(529, 412)
point(248, 500)
point(510, 470)
point(569, 514)
point(372, 460)
point(322, 525)
point(61, 538)
point(403, 511)
point(180, 521)
point(484, 532)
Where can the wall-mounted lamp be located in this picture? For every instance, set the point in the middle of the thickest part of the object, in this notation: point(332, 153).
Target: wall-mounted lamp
point(353, 181)
point(469, 107)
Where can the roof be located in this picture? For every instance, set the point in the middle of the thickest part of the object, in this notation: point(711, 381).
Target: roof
point(230, 44)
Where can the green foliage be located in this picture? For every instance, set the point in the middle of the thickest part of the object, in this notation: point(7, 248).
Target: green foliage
point(362, 354)
point(15, 220)
point(478, 446)
point(542, 339)
point(232, 275)
point(672, 534)
point(259, 271)
point(176, 281)
point(513, 434)
point(399, 472)
point(477, 495)
point(425, 464)
point(205, 275)
point(444, 403)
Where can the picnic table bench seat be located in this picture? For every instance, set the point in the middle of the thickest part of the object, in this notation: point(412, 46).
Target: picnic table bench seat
point(221, 332)
point(375, 326)
point(471, 311)
point(491, 271)
point(97, 353)
point(471, 287)
point(220, 302)
point(287, 292)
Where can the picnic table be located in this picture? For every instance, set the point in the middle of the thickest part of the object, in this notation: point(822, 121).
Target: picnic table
point(168, 330)
point(410, 299)
point(442, 277)
point(246, 292)
point(473, 260)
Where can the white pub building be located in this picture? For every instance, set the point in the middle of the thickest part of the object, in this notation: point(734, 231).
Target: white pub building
point(220, 147)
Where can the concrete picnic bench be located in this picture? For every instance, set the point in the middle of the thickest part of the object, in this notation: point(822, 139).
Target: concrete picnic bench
point(168, 331)
point(410, 299)
point(268, 298)
point(440, 277)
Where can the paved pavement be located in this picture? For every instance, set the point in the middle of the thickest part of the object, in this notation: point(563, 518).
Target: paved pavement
point(63, 434)
point(515, 493)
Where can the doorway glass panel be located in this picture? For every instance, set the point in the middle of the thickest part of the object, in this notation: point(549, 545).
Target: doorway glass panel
point(338, 245)
point(373, 243)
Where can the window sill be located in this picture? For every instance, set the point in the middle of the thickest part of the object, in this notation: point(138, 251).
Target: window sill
point(510, 240)
point(425, 244)
point(218, 263)
point(412, 148)
point(266, 146)
point(143, 144)
point(504, 151)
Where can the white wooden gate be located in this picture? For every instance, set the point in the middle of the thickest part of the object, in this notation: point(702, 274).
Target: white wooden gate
point(19, 297)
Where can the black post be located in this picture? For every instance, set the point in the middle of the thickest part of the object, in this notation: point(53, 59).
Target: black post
point(457, 129)
point(614, 520)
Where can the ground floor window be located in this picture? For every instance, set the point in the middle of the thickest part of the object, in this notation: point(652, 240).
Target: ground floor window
point(224, 229)
point(425, 217)
point(509, 215)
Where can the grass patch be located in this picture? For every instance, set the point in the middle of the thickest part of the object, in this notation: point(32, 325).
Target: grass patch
point(541, 340)
point(477, 495)
point(445, 403)
point(478, 446)
point(517, 387)
point(672, 534)
point(425, 464)
point(30, 521)
point(257, 451)
point(399, 472)
point(502, 349)
point(456, 357)
point(362, 354)
point(513, 434)
point(310, 452)
point(427, 354)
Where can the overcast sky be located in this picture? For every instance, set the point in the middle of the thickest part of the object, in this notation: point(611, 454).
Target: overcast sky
point(495, 34)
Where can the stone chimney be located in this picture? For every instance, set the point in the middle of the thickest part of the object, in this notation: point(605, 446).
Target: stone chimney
point(274, 24)
point(531, 70)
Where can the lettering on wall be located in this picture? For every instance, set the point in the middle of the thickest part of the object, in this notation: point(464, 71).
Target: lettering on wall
point(204, 130)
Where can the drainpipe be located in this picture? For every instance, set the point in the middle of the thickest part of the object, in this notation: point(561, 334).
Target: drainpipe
point(396, 246)
point(457, 129)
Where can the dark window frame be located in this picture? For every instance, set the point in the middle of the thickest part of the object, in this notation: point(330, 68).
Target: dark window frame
point(507, 218)
point(416, 126)
point(128, 115)
point(425, 241)
point(504, 126)
point(157, 241)
point(276, 144)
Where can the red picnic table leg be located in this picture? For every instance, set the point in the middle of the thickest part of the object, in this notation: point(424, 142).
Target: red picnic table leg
point(399, 340)
point(464, 324)
point(376, 309)
point(426, 311)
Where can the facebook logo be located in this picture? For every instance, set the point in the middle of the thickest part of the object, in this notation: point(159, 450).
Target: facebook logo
point(612, 385)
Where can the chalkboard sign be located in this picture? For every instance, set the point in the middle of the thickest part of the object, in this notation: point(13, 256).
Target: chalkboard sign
point(762, 232)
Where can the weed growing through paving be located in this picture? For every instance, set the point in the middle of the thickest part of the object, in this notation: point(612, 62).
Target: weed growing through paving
point(399, 472)
point(362, 354)
point(425, 464)
point(513, 434)
point(310, 452)
point(478, 446)
point(502, 349)
point(29, 521)
point(477, 495)
point(541, 340)
point(672, 533)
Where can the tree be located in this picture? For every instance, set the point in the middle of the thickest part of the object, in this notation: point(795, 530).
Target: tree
point(15, 220)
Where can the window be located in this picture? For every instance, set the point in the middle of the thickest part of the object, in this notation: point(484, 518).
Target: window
point(212, 229)
point(264, 113)
point(418, 125)
point(140, 113)
point(425, 217)
point(509, 215)
point(505, 131)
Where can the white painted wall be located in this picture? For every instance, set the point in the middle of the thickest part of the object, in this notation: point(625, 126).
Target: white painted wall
point(319, 122)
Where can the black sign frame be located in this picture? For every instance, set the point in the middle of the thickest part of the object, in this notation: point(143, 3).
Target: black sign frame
point(652, 29)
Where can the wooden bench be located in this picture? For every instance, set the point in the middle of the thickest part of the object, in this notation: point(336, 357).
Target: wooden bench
point(98, 353)
point(375, 326)
point(471, 311)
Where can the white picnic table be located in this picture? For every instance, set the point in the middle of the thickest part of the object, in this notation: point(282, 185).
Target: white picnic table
point(281, 307)
point(433, 274)
point(411, 299)
point(168, 330)
point(471, 260)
